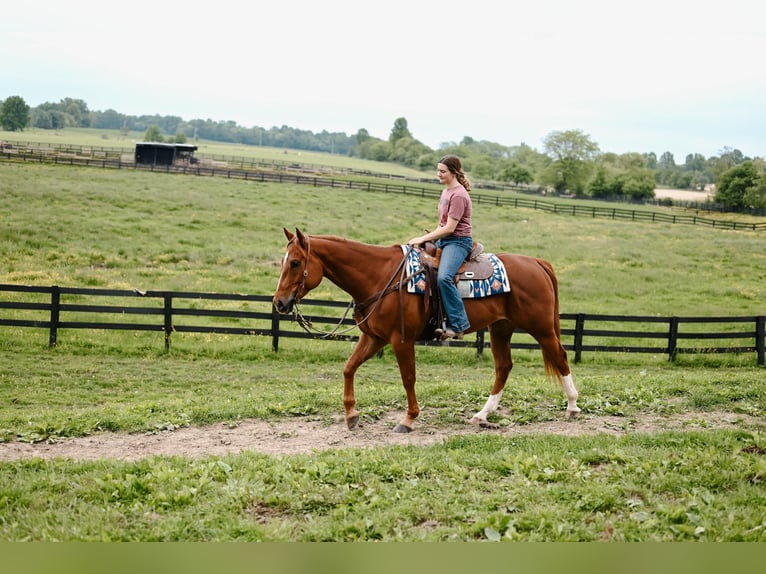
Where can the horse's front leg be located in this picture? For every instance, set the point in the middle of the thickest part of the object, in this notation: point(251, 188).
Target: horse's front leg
point(405, 357)
point(365, 348)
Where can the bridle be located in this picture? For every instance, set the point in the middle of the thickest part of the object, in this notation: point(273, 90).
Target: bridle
point(302, 285)
point(306, 324)
point(370, 304)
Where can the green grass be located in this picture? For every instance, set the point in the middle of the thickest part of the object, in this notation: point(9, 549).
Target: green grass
point(76, 390)
point(698, 484)
point(124, 229)
point(206, 148)
point(664, 487)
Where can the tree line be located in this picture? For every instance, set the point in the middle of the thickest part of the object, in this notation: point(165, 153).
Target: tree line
point(569, 163)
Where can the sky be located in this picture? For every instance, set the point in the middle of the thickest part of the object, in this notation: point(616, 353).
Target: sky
point(684, 76)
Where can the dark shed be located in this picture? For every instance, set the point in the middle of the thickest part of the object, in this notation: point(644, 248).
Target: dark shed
point(156, 153)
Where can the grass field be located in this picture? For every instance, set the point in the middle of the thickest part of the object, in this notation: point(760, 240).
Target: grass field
point(124, 229)
point(207, 148)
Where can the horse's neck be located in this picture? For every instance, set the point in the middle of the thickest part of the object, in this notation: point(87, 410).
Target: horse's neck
point(359, 269)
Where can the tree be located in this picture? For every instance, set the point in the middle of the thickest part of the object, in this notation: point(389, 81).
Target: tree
point(695, 162)
point(515, 173)
point(109, 120)
point(379, 150)
point(399, 131)
point(406, 151)
point(48, 119)
point(625, 175)
point(572, 152)
point(666, 161)
point(637, 184)
point(153, 134)
point(604, 184)
point(68, 112)
point(755, 197)
point(362, 136)
point(77, 110)
point(728, 159)
point(14, 114)
point(631, 161)
point(480, 167)
point(735, 183)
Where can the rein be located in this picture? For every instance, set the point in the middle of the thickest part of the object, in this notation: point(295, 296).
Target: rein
point(371, 303)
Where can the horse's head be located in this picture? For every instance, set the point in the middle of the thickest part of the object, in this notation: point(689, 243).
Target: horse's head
point(300, 272)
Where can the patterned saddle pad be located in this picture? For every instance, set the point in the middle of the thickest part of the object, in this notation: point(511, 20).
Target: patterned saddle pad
point(495, 284)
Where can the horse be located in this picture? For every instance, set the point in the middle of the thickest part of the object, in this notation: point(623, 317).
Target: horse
point(372, 274)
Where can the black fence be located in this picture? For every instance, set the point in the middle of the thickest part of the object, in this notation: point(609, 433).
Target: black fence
point(301, 177)
point(170, 312)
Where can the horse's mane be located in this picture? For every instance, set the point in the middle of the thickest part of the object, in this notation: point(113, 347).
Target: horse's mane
point(352, 241)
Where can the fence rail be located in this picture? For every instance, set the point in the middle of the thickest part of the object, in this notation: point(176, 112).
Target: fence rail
point(59, 308)
point(301, 178)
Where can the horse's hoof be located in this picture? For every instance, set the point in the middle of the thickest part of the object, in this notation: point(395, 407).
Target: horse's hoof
point(353, 422)
point(572, 414)
point(478, 421)
point(400, 428)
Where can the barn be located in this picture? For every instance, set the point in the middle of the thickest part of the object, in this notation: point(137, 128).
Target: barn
point(157, 153)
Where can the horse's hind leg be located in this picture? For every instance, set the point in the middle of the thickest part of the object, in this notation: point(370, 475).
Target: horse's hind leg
point(365, 348)
point(557, 365)
point(500, 337)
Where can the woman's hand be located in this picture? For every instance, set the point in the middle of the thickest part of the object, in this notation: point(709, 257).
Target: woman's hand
point(438, 233)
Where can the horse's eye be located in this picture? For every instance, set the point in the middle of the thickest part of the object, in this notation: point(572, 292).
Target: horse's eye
point(295, 263)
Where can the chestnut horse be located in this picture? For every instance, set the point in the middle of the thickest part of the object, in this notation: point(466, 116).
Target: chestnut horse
point(385, 316)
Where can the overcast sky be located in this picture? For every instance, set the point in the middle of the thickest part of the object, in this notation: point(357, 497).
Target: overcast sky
point(685, 76)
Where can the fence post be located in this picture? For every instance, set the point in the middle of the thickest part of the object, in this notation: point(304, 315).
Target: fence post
point(168, 326)
point(579, 328)
point(673, 339)
point(55, 310)
point(760, 339)
point(274, 329)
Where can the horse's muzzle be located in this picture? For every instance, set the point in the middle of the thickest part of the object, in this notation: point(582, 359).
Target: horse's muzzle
point(284, 305)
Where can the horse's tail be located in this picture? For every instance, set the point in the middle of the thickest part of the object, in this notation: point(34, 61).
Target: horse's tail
point(548, 268)
point(550, 362)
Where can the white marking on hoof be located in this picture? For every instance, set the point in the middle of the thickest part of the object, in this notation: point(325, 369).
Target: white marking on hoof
point(571, 393)
point(489, 407)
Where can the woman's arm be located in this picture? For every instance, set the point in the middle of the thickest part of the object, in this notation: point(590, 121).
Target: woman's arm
point(438, 233)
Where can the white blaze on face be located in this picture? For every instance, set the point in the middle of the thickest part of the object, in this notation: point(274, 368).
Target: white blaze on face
point(284, 262)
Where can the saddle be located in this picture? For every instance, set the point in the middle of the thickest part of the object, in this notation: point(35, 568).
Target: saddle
point(475, 267)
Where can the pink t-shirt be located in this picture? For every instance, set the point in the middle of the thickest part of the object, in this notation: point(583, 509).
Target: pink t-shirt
point(456, 203)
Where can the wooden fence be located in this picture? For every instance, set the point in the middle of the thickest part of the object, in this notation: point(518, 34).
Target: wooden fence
point(168, 312)
point(301, 178)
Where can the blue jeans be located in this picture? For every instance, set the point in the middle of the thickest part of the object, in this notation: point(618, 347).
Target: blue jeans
point(454, 252)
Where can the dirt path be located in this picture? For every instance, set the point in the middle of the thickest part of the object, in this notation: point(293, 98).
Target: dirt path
point(306, 435)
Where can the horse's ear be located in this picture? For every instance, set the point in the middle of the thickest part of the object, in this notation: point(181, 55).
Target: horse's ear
point(288, 234)
point(301, 237)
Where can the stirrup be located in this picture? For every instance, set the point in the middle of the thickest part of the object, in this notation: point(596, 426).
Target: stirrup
point(448, 333)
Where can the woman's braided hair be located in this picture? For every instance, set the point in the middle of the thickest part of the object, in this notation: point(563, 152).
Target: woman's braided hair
point(454, 164)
